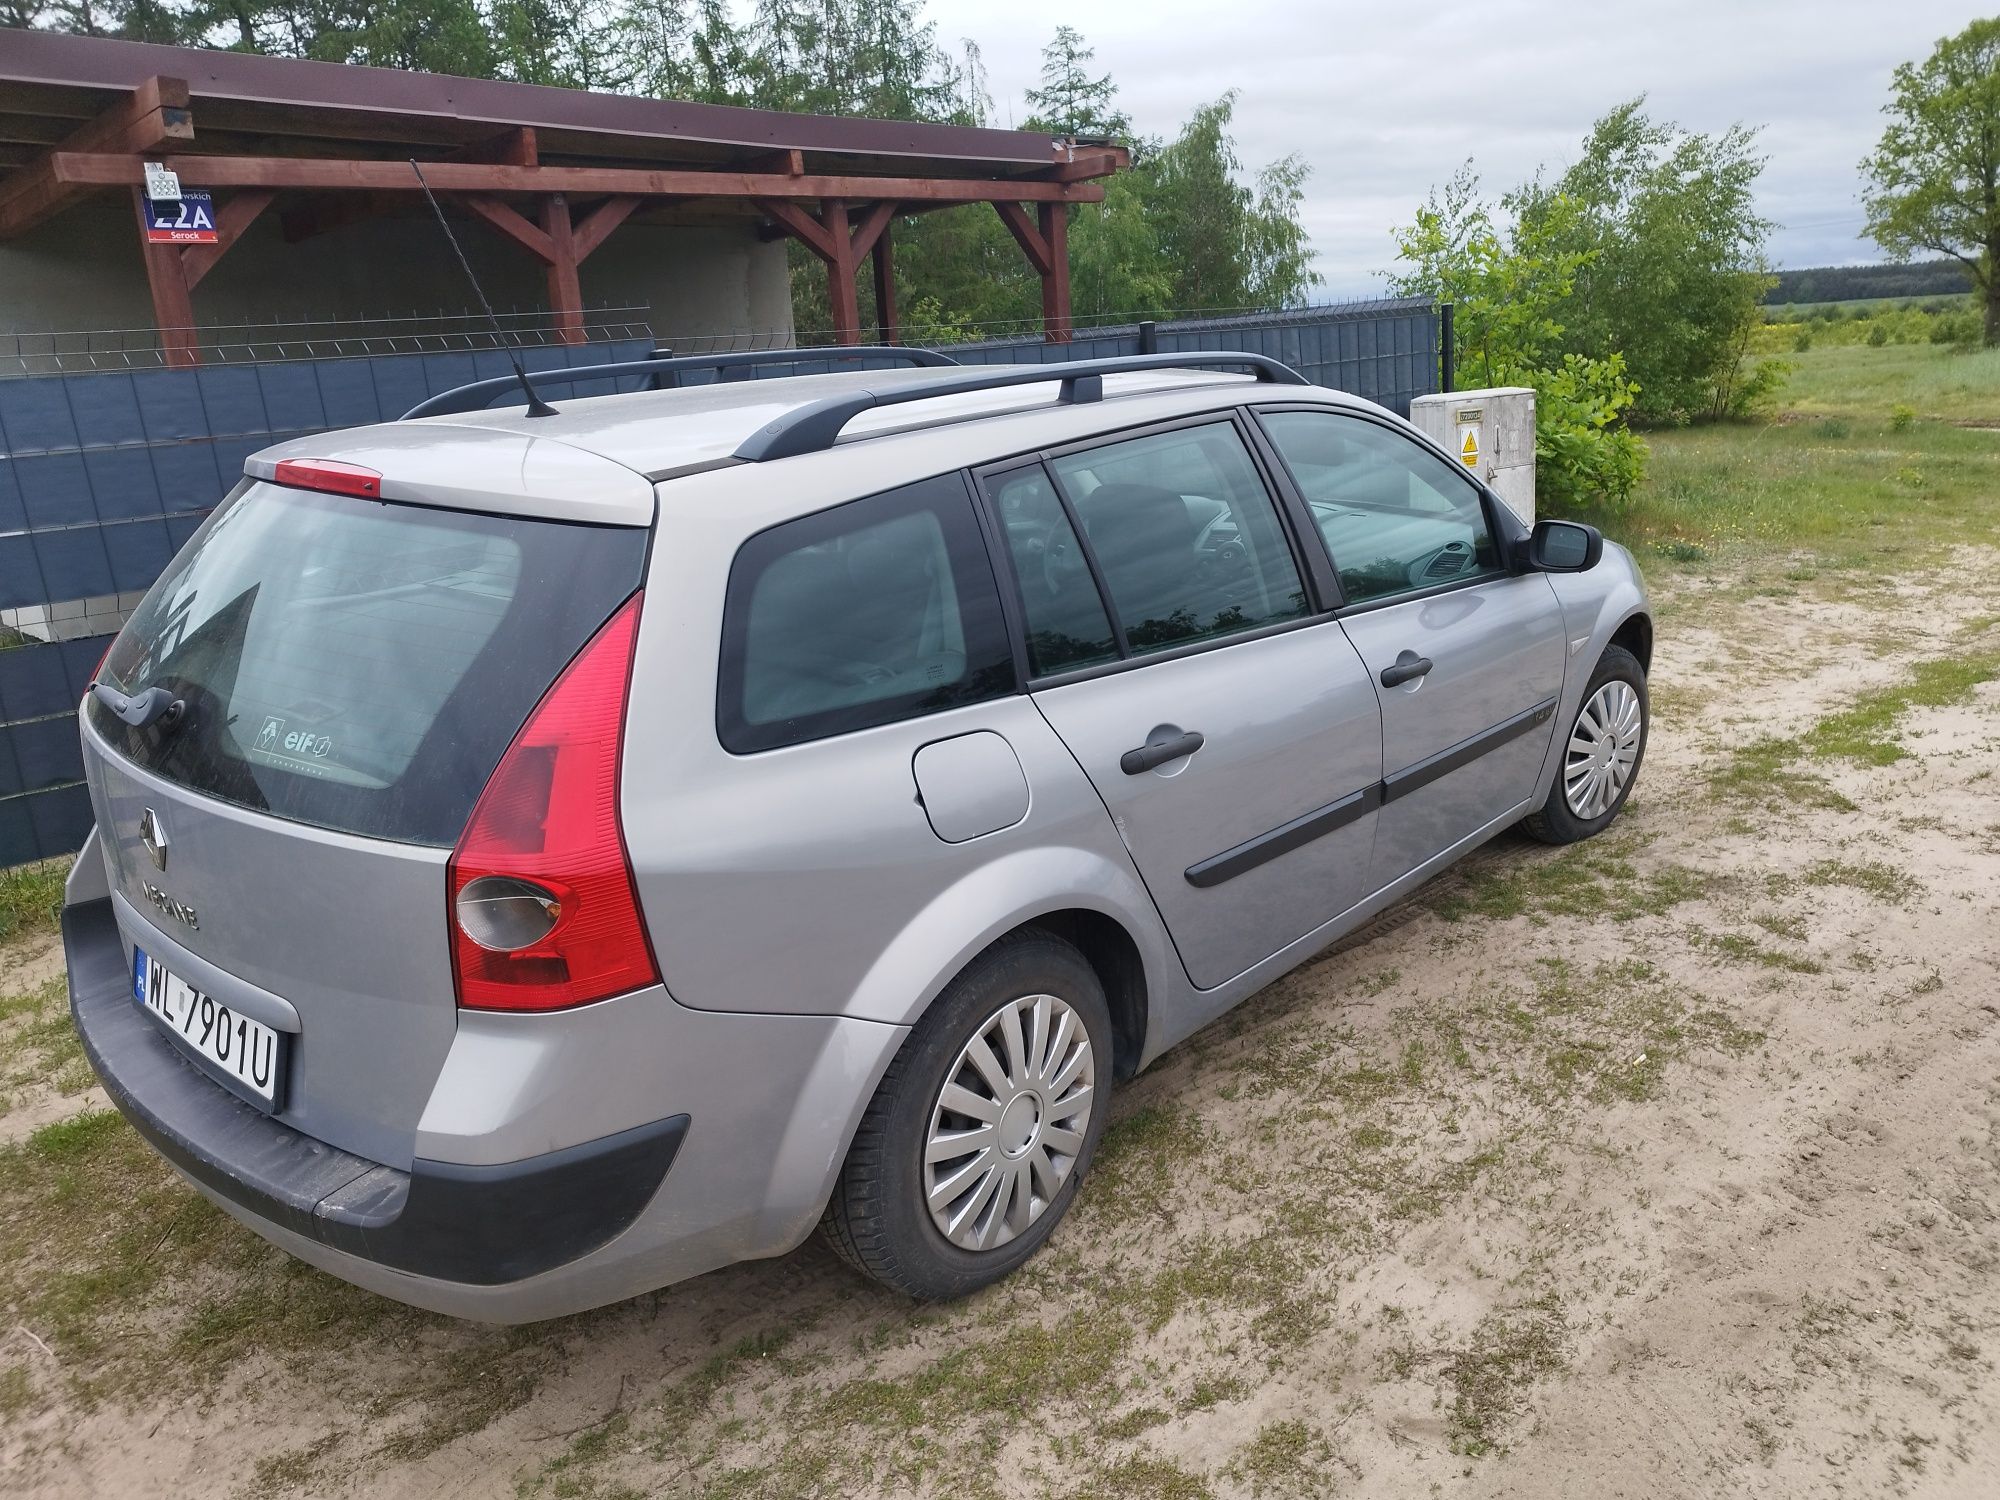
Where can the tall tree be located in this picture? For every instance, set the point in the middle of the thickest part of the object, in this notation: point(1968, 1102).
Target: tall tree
point(1225, 244)
point(1669, 249)
point(1070, 101)
point(1934, 179)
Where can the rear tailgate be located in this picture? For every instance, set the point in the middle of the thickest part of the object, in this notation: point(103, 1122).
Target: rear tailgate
point(349, 672)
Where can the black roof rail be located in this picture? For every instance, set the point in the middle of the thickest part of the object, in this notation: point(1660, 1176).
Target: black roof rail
point(814, 427)
point(480, 393)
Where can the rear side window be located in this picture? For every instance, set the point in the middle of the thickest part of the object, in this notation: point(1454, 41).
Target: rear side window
point(359, 665)
point(874, 611)
point(1185, 536)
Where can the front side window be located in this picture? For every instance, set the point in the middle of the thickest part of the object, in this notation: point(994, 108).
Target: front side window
point(874, 611)
point(1185, 536)
point(1396, 516)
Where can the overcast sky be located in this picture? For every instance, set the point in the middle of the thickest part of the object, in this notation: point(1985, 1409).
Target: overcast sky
point(1384, 100)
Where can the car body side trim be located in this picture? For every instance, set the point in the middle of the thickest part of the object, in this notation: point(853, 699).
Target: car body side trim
point(1465, 752)
point(1285, 838)
point(1302, 830)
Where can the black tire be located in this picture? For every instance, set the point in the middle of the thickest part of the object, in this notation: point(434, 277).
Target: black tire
point(1557, 823)
point(877, 1219)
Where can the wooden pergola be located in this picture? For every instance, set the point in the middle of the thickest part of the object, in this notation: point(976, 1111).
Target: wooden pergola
point(555, 171)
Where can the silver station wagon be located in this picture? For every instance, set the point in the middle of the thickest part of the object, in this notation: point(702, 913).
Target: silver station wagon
point(541, 857)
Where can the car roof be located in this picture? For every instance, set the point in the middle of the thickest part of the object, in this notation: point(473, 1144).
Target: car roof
point(598, 457)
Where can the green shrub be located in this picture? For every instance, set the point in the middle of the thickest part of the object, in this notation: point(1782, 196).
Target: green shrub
point(1901, 415)
point(1802, 341)
point(1585, 456)
point(1878, 334)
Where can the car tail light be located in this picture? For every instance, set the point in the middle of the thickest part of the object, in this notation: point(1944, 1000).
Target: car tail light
point(543, 910)
point(330, 475)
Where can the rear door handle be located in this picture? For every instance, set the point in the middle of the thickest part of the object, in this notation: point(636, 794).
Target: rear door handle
point(1146, 757)
point(1409, 666)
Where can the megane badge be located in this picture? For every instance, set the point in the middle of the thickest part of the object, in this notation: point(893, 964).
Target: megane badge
point(153, 834)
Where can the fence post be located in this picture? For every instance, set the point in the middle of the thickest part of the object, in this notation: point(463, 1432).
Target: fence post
point(1149, 338)
point(1446, 373)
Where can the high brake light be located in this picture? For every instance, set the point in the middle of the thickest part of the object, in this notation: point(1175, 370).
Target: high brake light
point(543, 910)
point(330, 475)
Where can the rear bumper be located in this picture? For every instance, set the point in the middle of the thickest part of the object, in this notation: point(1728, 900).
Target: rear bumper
point(474, 1225)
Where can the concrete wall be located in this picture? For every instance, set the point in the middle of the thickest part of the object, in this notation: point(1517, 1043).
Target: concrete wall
point(82, 271)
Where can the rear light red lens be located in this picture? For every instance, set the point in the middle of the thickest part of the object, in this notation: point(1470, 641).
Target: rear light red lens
point(551, 918)
point(330, 475)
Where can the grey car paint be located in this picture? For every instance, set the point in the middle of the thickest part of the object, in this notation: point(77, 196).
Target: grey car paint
point(1289, 726)
point(808, 903)
point(1496, 652)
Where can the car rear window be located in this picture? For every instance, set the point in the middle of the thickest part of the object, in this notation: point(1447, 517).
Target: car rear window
point(355, 664)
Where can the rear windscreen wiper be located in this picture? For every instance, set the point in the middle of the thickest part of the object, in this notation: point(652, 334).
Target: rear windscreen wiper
point(154, 706)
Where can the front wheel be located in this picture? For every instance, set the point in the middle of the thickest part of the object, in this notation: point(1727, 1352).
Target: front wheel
point(1607, 742)
point(979, 1133)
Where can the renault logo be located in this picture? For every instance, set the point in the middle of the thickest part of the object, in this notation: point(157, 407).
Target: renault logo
point(153, 834)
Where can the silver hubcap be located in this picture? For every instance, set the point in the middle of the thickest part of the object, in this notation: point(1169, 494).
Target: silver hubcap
point(1009, 1122)
point(1603, 749)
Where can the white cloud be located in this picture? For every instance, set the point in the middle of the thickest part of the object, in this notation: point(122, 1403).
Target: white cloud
point(1384, 101)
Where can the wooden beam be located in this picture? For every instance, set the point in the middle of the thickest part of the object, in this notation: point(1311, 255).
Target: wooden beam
point(790, 163)
point(594, 230)
point(565, 288)
point(89, 169)
point(1033, 242)
point(800, 224)
point(1088, 164)
point(231, 220)
point(888, 327)
point(173, 308)
point(537, 242)
point(843, 302)
point(151, 116)
point(871, 227)
point(1055, 281)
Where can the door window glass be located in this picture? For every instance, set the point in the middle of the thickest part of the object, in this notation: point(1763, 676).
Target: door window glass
point(878, 610)
point(1066, 624)
point(1395, 515)
point(1185, 536)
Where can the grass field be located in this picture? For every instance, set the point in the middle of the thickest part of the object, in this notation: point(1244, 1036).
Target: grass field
point(1675, 1154)
point(1877, 458)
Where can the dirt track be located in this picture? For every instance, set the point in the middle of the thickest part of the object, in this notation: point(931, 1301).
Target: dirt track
point(1666, 1166)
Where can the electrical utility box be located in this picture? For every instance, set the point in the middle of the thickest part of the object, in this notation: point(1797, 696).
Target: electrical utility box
point(1492, 433)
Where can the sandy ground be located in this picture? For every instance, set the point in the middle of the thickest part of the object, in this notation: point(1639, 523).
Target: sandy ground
point(1669, 1166)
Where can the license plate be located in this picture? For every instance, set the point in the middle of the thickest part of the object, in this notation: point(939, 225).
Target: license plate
point(244, 1053)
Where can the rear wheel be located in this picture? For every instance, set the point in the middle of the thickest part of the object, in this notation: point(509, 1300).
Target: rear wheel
point(981, 1130)
point(1602, 752)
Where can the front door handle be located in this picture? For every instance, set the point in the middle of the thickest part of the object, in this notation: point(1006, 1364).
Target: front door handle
point(1146, 757)
point(1409, 666)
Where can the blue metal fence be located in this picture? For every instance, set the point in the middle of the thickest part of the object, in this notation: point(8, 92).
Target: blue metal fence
point(104, 474)
point(1384, 350)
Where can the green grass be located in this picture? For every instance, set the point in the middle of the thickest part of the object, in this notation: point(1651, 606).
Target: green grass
point(1831, 475)
point(30, 898)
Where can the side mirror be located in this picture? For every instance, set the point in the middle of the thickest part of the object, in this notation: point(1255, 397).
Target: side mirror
point(1564, 547)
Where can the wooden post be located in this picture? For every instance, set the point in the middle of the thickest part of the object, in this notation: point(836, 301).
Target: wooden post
point(842, 301)
point(888, 326)
point(1055, 280)
point(173, 308)
point(565, 289)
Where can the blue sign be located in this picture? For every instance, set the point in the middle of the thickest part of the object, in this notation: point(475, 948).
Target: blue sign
point(187, 220)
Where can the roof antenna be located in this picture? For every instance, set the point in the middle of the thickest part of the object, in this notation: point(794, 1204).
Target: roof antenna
point(537, 407)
